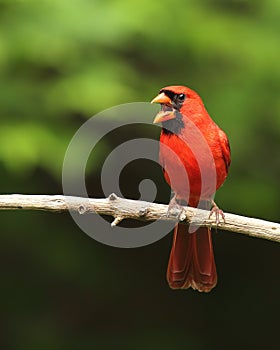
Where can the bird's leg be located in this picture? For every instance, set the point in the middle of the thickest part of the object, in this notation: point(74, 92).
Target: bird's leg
point(217, 211)
point(174, 208)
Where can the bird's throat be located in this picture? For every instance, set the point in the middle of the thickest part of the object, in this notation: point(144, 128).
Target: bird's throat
point(173, 126)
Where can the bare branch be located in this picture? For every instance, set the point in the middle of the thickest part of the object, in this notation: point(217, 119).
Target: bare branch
point(121, 209)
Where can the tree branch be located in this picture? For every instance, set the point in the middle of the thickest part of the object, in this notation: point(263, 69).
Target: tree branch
point(121, 208)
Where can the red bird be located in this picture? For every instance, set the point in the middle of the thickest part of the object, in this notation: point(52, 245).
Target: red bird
point(195, 156)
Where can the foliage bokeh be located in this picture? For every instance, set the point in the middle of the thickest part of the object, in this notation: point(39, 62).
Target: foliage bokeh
point(60, 63)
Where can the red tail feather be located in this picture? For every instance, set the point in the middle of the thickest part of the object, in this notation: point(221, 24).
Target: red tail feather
point(191, 262)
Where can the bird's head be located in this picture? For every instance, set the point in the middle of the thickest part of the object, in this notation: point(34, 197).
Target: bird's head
point(173, 100)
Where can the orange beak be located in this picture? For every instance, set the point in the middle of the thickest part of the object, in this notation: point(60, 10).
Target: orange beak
point(162, 98)
point(163, 116)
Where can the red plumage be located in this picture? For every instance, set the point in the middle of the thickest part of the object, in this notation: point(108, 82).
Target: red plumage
point(195, 156)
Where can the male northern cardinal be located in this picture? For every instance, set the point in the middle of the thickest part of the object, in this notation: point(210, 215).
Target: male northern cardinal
point(195, 156)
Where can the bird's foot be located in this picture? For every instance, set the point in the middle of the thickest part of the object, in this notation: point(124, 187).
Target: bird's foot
point(217, 212)
point(175, 210)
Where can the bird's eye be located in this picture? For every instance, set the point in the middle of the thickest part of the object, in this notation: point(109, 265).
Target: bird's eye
point(181, 97)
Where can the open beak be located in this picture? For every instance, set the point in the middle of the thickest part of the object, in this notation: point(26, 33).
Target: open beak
point(162, 115)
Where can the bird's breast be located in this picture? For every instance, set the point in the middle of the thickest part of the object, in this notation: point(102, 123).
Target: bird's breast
point(189, 165)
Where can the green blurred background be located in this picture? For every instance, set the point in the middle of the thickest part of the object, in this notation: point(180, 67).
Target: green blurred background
point(63, 61)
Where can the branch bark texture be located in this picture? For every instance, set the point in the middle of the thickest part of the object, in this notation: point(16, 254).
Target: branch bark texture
point(120, 209)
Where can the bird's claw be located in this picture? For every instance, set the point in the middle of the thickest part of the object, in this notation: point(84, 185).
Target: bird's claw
point(218, 213)
point(175, 210)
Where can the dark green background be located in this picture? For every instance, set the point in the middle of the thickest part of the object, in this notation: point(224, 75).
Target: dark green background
point(63, 61)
